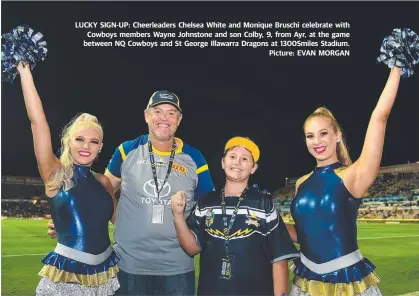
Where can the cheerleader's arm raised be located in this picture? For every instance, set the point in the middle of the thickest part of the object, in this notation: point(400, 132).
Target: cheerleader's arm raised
point(48, 163)
point(362, 173)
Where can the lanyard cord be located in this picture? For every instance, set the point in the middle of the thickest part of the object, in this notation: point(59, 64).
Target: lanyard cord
point(153, 166)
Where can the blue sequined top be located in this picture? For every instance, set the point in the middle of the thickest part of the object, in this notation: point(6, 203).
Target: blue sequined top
point(81, 214)
point(325, 216)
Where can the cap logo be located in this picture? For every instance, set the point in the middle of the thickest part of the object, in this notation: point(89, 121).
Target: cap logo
point(166, 96)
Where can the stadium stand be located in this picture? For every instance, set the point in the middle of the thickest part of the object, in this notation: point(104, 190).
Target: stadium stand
point(24, 208)
point(394, 195)
point(23, 197)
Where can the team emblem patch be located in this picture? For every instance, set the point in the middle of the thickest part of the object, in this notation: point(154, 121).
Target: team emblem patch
point(161, 163)
point(209, 218)
point(252, 220)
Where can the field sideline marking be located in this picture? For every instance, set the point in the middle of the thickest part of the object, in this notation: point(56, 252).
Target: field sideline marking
point(380, 237)
point(21, 255)
point(416, 293)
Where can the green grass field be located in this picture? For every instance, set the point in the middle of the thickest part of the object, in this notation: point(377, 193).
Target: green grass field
point(393, 248)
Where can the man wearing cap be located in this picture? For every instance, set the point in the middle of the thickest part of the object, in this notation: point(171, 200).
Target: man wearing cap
point(149, 170)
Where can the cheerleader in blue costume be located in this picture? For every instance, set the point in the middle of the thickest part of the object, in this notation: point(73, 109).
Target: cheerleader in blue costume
point(327, 200)
point(82, 203)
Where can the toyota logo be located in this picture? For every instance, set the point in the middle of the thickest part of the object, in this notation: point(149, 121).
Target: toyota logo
point(150, 188)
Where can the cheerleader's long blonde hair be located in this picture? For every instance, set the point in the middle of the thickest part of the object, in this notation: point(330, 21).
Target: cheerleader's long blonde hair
point(63, 176)
point(341, 149)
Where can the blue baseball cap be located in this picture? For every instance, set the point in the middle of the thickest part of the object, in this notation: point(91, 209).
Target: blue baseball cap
point(164, 97)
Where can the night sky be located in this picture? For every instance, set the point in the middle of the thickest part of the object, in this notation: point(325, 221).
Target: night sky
point(224, 92)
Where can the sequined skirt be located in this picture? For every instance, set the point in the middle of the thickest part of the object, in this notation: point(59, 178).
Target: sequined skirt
point(371, 291)
point(65, 276)
point(357, 279)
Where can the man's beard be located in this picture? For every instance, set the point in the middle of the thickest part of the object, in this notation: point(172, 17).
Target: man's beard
point(162, 138)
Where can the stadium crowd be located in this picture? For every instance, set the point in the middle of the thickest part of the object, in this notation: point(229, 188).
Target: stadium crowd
point(390, 197)
point(24, 208)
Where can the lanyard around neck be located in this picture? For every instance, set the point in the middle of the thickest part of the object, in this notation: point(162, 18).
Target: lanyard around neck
point(153, 166)
point(229, 225)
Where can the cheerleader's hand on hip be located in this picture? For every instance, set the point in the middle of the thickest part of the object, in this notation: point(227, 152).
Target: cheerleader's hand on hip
point(51, 228)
